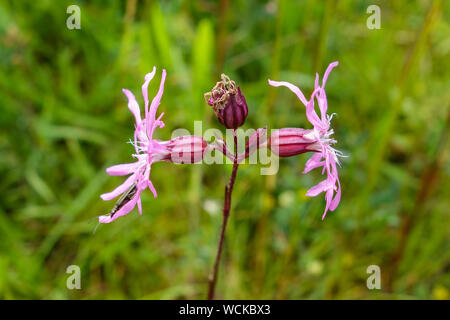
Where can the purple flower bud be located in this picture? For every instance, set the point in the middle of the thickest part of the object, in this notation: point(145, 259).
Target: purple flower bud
point(289, 142)
point(186, 149)
point(228, 103)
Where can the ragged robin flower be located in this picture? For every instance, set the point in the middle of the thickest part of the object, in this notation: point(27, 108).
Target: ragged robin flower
point(296, 141)
point(185, 149)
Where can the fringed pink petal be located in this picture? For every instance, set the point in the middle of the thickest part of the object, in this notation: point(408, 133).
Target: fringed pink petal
point(327, 72)
point(291, 87)
point(319, 93)
point(127, 208)
point(157, 123)
point(143, 177)
point(317, 189)
point(337, 198)
point(314, 162)
point(328, 196)
point(120, 189)
point(139, 204)
point(316, 81)
point(148, 78)
point(323, 106)
point(152, 188)
point(122, 169)
point(155, 103)
point(133, 105)
point(311, 114)
point(105, 219)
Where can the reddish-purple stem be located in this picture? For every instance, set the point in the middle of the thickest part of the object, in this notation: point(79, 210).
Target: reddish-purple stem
point(226, 214)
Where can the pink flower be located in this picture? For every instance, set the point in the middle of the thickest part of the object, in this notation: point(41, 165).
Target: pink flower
point(185, 149)
point(326, 156)
point(147, 150)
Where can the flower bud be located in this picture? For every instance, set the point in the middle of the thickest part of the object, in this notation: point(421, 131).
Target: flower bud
point(186, 149)
point(228, 103)
point(289, 142)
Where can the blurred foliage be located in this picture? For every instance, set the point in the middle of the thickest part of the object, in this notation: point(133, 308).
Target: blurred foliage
point(64, 120)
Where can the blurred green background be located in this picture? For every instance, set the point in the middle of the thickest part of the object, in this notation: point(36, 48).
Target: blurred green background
point(64, 119)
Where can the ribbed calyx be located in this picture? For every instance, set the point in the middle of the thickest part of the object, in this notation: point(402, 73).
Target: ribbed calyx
point(288, 142)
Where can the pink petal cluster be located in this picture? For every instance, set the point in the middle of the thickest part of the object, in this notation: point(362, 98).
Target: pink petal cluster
point(185, 149)
point(327, 157)
point(147, 150)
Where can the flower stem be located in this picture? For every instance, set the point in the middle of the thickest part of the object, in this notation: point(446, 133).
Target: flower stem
point(226, 214)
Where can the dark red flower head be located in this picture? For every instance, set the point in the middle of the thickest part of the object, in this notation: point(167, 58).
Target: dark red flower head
point(228, 103)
